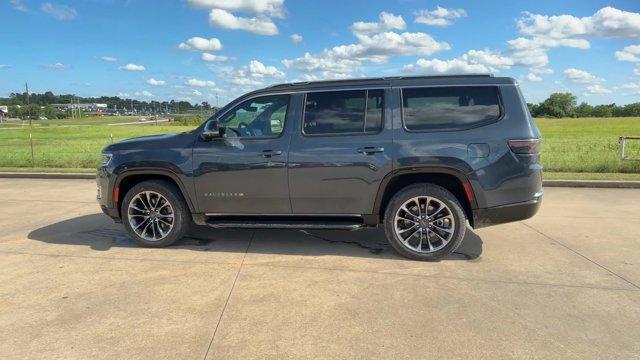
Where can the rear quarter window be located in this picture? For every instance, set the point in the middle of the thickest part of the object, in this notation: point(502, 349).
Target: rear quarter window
point(449, 108)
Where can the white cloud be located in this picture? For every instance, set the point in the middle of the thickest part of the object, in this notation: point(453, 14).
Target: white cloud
point(18, 5)
point(196, 92)
point(533, 52)
point(323, 67)
point(629, 53)
point(60, 12)
point(123, 95)
point(296, 38)
point(249, 77)
point(631, 86)
point(56, 66)
point(201, 44)
point(257, 25)
point(387, 22)
point(144, 93)
point(597, 89)
point(200, 83)
point(109, 58)
point(542, 71)
point(580, 76)
point(154, 82)
point(132, 67)
point(211, 57)
point(486, 57)
point(474, 61)
point(377, 49)
point(533, 77)
point(440, 16)
point(273, 8)
point(258, 69)
point(453, 66)
point(607, 22)
point(548, 32)
point(636, 71)
point(324, 75)
point(345, 60)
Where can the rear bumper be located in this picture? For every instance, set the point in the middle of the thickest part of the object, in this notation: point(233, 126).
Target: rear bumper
point(507, 213)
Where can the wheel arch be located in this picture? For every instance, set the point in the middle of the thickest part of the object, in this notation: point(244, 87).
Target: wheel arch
point(128, 179)
point(449, 178)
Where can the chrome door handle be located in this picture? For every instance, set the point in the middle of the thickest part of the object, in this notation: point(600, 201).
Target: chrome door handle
point(370, 150)
point(270, 153)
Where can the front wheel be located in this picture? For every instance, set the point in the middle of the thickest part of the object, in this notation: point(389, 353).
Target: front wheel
point(154, 213)
point(424, 222)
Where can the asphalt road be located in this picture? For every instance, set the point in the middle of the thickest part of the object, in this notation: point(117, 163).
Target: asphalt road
point(565, 284)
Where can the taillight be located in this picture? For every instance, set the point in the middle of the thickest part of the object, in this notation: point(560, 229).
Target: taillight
point(525, 147)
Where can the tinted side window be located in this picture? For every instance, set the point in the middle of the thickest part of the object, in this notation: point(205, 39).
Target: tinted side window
point(258, 117)
point(445, 108)
point(343, 112)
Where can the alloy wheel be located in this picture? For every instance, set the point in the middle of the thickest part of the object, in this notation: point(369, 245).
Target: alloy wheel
point(424, 224)
point(150, 215)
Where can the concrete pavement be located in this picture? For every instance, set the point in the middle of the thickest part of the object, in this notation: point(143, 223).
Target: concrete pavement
point(564, 284)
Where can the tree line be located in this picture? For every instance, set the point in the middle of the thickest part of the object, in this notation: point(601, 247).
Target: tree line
point(559, 105)
point(40, 104)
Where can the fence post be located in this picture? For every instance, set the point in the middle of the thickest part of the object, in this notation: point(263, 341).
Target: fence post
point(33, 163)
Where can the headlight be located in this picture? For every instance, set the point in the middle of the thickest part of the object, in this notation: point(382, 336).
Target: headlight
point(106, 159)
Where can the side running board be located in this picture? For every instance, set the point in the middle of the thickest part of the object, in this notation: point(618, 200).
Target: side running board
point(284, 222)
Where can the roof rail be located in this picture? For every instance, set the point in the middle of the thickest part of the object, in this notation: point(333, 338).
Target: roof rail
point(387, 78)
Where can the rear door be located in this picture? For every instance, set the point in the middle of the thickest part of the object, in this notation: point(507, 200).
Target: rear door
point(340, 153)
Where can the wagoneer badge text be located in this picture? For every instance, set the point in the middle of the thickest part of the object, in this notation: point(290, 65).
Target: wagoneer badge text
point(223, 194)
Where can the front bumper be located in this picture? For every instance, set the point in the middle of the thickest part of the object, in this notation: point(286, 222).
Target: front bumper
point(104, 195)
point(507, 213)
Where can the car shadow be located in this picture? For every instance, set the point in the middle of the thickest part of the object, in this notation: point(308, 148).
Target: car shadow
point(101, 234)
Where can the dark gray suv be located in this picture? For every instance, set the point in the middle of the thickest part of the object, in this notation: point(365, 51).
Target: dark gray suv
point(420, 156)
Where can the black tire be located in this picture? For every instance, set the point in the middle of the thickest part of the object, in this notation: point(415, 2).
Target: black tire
point(439, 193)
point(181, 214)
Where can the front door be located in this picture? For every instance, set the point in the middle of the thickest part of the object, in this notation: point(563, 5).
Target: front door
point(341, 153)
point(245, 170)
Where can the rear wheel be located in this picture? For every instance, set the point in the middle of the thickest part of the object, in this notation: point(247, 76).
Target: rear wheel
point(155, 214)
point(424, 222)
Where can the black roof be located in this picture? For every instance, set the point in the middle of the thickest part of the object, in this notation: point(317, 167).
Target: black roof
point(396, 81)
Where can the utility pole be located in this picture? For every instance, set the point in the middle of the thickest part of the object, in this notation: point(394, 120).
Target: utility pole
point(26, 87)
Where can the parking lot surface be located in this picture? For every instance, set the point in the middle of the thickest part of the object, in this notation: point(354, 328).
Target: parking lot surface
point(565, 284)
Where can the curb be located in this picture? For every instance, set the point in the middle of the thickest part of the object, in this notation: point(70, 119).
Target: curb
point(38, 175)
point(615, 184)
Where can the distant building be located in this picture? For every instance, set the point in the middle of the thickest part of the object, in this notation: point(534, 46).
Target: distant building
point(4, 112)
point(93, 107)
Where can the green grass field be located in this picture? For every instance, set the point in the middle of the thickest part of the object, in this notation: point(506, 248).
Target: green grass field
point(69, 143)
point(588, 145)
point(575, 146)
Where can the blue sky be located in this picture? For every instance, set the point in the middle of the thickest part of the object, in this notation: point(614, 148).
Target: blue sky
point(214, 50)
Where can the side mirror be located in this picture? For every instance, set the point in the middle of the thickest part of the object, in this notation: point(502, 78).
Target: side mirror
point(211, 131)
